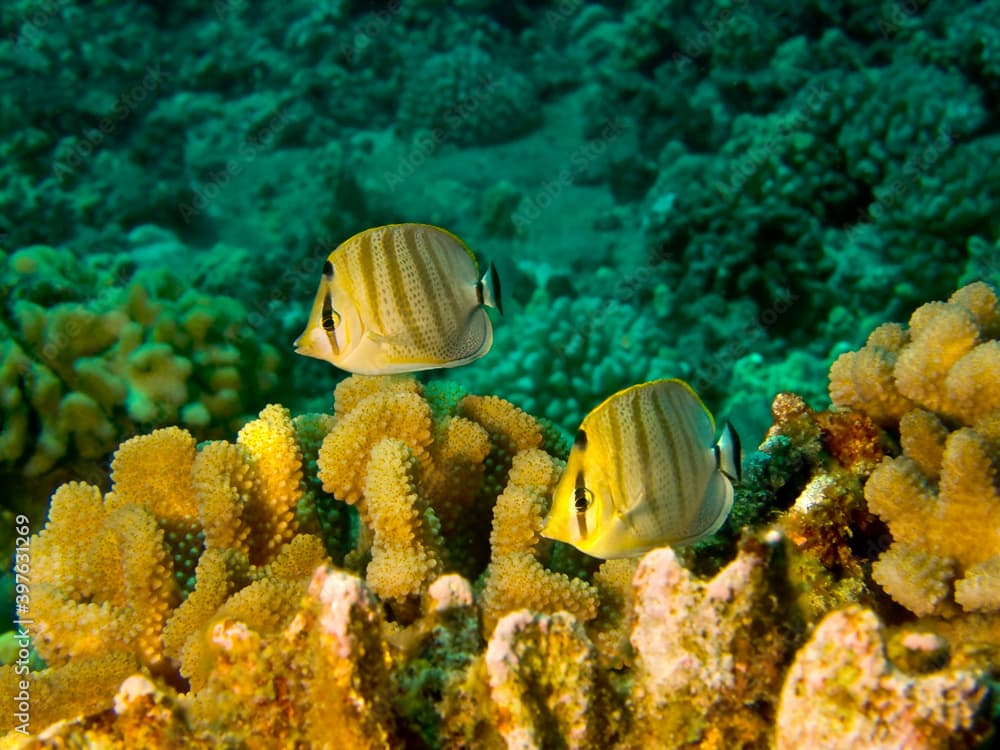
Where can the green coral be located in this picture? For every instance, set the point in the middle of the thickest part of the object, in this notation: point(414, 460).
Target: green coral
point(559, 356)
point(92, 352)
point(466, 97)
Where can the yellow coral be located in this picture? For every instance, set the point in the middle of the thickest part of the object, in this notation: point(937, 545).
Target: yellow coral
point(343, 457)
point(83, 686)
point(407, 547)
point(224, 521)
point(223, 483)
point(107, 570)
point(154, 472)
point(611, 628)
point(864, 379)
point(940, 498)
point(900, 368)
point(459, 456)
point(276, 461)
point(515, 577)
point(352, 391)
point(943, 533)
point(519, 581)
point(110, 589)
point(518, 430)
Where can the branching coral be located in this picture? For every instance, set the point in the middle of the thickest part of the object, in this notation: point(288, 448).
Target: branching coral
point(936, 382)
point(109, 573)
point(516, 577)
point(199, 575)
point(422, 469)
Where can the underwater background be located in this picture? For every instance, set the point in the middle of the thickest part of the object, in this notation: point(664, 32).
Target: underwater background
point(731, 193)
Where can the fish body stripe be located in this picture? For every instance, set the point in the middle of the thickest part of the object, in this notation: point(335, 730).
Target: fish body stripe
point(454, 318)
point(412, 282)
point(654, 434)
point(407, 297)
point(359, 278)
point(399, 296)
point(615, 449)
point(672, 473)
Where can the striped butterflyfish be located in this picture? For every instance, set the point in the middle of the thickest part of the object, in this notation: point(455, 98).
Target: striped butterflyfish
point(645, 471)
point(401, 298)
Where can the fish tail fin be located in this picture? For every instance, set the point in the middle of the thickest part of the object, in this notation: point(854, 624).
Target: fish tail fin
point(488, 289)
point(727, 454)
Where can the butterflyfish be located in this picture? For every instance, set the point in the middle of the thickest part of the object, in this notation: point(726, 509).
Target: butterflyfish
point(645, 471)
point(401, 298)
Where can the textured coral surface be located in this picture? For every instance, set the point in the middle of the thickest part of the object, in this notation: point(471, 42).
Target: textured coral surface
point(329, 581)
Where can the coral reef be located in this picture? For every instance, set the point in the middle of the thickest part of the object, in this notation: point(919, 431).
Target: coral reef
point(218, 591)
point(731, 193)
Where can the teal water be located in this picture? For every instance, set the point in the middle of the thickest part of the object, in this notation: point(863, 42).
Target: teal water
point(728, 192)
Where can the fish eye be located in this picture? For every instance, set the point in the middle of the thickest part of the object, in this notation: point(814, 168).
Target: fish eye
point(330, 317)
point(327, 270)
point(582, 499)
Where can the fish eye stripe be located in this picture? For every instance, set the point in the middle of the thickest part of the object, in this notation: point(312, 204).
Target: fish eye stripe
point(580, 441)
point(328, 269)
point(327, 317)
point(582, 497)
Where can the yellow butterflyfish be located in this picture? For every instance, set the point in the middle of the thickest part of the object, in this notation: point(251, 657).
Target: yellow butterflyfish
point(401, 298)
point(645, 471)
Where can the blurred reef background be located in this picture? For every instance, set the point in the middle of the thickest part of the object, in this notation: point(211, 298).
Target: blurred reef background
point(732, 193)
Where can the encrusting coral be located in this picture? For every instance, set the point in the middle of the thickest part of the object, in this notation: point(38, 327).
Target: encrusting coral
point(708, 653)
point(835, 676)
